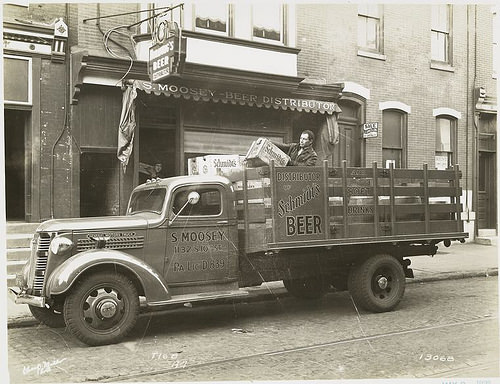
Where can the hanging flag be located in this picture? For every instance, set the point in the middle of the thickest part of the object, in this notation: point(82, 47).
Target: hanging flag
point(126, 129)
point(328, 136)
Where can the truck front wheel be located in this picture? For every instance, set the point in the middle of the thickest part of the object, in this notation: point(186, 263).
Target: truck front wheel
point(378, 283)
point(102, 308)
point(48, 316)
point(307, 287)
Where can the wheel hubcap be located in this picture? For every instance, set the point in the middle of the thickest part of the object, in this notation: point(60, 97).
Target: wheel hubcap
point(382, 282)
point(107, 308)
point(103, 308)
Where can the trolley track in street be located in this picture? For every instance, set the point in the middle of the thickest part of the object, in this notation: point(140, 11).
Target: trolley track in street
point(316, 346)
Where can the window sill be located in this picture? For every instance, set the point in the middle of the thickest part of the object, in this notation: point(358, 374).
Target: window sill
point(441, 66)
point(372, 55)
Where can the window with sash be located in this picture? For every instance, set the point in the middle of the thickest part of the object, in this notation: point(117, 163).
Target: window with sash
point(441, 33)
point(212, 17)
point(370, 27)
point(267, 22)
point(445, 142)
point(394, 133)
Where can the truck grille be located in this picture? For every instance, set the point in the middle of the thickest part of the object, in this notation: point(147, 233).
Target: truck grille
point(42, 244)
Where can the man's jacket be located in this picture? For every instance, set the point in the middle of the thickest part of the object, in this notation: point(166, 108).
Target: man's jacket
point(308, 156)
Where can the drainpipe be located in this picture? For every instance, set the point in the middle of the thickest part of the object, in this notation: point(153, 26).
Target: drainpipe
point(475, 136)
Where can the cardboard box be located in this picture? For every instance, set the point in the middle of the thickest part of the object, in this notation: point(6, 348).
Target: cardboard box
point(262, 151)
point(230, 166)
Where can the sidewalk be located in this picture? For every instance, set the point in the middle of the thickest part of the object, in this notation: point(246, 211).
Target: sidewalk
point(456, 262)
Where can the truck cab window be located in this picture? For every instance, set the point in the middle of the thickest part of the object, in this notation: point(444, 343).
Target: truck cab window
point(149, 200)
point(210, 203)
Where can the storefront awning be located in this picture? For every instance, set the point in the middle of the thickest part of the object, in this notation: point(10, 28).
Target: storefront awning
point(251, 97)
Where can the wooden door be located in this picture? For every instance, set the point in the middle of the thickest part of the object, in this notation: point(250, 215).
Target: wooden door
point(487, 191)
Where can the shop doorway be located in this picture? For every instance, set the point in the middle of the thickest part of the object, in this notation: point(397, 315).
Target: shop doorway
point(350, 138)
point(156, 146)
point(349, 147)
point(15, 160)
point(487, 191)
point(99, 184)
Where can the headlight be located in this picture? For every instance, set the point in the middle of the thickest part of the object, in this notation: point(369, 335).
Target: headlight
point(60, 245)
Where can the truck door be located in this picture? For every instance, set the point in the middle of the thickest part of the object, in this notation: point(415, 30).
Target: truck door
point(201, 240)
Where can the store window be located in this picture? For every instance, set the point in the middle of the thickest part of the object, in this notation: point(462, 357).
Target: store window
point(267, 22)
point(212, 17)
point(370, 27)
point(441, 33)
point(445, 142)
point(394, 132)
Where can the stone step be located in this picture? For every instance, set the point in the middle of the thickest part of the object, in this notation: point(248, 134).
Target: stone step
point(487, 232)
point(17, 254)
point(14, 267)
point(19, 240)
point(21, 227)
point(11, 280)
point(486, 240)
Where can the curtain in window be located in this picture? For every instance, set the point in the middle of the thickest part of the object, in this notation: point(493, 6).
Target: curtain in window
point(267, 21)
point(211, 15)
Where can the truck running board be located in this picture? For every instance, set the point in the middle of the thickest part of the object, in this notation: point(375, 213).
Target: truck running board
point(205, 296)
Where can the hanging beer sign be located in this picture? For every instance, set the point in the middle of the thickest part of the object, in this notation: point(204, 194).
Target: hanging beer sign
point(161, 59)
point(165, 56)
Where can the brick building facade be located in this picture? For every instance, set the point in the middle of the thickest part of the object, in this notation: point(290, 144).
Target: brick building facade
point(391, 75)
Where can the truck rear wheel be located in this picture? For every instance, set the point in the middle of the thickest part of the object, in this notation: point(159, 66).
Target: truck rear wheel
point(48, 316)
point(307, 287)
point(102, 308)
point(378, 283)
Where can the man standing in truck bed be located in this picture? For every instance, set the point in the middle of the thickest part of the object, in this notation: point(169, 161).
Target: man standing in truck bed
point(301, 153)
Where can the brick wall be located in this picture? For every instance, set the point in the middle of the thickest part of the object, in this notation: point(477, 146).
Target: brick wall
point(90, 34)
point(405, 75)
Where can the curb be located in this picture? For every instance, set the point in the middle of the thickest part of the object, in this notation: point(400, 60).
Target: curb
point(277, 290)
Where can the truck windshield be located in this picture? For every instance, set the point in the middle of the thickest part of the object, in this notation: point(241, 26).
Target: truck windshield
point(150, 200)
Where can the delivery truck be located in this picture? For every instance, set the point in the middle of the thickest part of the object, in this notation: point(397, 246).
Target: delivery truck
point(200, 238)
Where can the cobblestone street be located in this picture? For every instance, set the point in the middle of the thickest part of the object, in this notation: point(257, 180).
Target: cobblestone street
point(284, 339)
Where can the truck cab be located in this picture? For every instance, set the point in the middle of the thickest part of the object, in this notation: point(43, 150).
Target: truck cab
point(177, 243)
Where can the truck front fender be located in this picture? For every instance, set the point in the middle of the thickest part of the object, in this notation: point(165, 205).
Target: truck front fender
point(63, 277)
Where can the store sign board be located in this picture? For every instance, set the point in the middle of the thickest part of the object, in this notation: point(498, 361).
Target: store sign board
point(370, 130)
point(161, 59)
point(238, 97)
point(441, 162)
point(299, 210)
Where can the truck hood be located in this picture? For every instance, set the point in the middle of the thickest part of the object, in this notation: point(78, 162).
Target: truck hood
point(93, 223)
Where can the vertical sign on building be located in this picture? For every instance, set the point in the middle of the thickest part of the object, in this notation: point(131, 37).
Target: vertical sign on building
point(298, 208)
point(165, 56)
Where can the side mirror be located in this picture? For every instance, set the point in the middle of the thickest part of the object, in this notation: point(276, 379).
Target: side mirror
point(193, 197)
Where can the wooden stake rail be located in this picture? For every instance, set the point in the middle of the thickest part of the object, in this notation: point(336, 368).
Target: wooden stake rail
point(364, 205)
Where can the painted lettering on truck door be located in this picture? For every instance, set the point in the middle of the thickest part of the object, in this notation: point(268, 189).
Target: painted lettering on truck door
point(198, 239)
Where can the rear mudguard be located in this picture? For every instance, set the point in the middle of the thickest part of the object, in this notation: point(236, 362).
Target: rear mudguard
point(64, 276)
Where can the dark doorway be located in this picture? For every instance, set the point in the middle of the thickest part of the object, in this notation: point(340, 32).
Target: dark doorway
point(99, 184)
point(156, 146)
point(487, 191)
point(15, 170)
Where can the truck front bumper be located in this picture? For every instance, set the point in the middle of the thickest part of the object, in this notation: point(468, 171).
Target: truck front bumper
point(21, 297)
